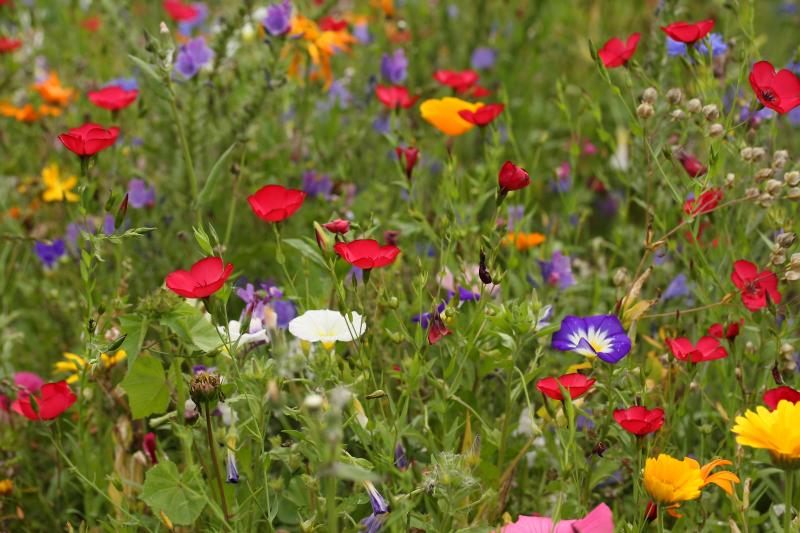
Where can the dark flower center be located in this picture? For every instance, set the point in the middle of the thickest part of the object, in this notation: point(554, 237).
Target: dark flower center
point(768, 95)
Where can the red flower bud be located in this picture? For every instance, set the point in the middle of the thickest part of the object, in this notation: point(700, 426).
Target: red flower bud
point(615, 53)
point(337, 226)
point(273, 203)
point(410, 154)
point(512, 177)
point(483, 115)
point(691, 164)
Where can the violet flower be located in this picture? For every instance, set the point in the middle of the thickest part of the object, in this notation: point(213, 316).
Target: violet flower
point(394, 67)
point(49, 254)
point(192, 56)
point(558, 271)
point(279, 18)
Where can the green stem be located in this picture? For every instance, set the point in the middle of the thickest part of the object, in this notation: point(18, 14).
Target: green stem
point(787, 512)
point(215, 462)
point(187, 155)
point(330, 503)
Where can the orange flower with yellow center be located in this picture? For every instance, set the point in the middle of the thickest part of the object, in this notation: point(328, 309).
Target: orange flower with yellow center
point(443, 114)
point(320, 45)
point(523, 241)
point(53, 92)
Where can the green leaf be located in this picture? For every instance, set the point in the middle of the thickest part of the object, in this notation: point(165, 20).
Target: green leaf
point(214, 176)
point(179, 495)
point(146, 386)
point(135, 327)
point(307, 250)
point(192, 327)
point(153, 80)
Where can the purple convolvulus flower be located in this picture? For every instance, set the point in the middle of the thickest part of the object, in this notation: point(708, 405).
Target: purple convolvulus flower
point(400, 459)
point(285, 311)
point(600, 335)
point(49, 254)
point(558, 271)
point(677, 288)
point(316, 184)
point(374, 522)
point(394, 67)
point(192, 56)
point(230, 468)
point(140, 195)
point(279, 18)
point(483, 58)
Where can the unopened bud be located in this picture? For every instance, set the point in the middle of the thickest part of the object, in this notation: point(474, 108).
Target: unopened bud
point(716, 130)
point(746, 153)
point(621, 277)
point(730, 177)
point(313, 402)
point(758, 154)
point(763, 173)
point(645, 110)
point(677, 114)
point(163, 28)
point(787, 239)
point(793, 193)
point(751, 193)
point(650, 95)
point(773, 187)
point(204, 387)
point(711, 112)
point(694, 106)
point(787, 350)
point(792, 178)
point(674, 96)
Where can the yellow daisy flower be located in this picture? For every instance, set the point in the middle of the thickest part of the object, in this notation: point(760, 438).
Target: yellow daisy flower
point(57, 190)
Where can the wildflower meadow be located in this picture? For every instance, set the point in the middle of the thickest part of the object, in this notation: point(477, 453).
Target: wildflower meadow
point(497, 266)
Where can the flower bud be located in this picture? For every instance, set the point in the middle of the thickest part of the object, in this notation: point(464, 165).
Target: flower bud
point(716, 130)
point(621, 277)
point(792, 178)
point(777, 258)
point(677, 115)
point(751, 193)
point(794, 262)
point(650, 95)
point(773, 187)
point(645, 110)
point(793, 193)
point(694, 106)
point(785, 240)
point(766, 200)
point(746, 153)
point(758, 154)
point(674, 96)
point(787, 350)
point(711, 112)
point(204, 387)
point(730, 177)
point(313, 402)
point(763, 173)
point(190, 412)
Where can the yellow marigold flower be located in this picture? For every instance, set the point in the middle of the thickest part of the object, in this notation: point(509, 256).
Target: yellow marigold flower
point(53, 92)
point(443, 114)
point(776, 431)
point(523, 241)
point(74, 363)
point(6, 487)
point(57, 190)
point(670, 481)
point(113, 360)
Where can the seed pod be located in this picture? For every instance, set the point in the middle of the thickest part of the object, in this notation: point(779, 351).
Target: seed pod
point(711, 112)
point(773, 187)
point(645, 110)
point(694, 106)
point(792, 178)
point(674, 96)
point(677, 115)
point(650, 95)
point(716, 130)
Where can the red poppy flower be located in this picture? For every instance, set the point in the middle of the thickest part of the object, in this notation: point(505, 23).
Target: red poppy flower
point(773, 396)
point(640, 420)
point(691, 164)
point(707, 349)
point(178, 11)
point(113, 97)
point(483, 115)
point(273, 203)
point(437, 330)
point(512, 177)
point(366, 253)
point(615, 53)
point(755, 286)
point(206, 277)
point(575, 384)
point(52, 400)
point(410, 154)
point(337, 226)
point(89, 139)
point(730, 332)
point(458, 81)
point(687, 32)
point(9, 45)
point(707, 202)
point(394, 96)
point(778, 91)
point(149, 447)
point(331, 24)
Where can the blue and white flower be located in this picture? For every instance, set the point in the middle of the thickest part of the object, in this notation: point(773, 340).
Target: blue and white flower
point(601, 335)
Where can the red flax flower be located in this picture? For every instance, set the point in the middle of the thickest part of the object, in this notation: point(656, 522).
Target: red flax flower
point(460, 82)
point(512, 177)
point(707, 202)
point(778, 91)
point(178, 11)
point(410, 154)
point(615, 53)
point(273, 203)
point(52, 400)
point(366, 253)
point(394, 96)
point(149, 447)
point(206, 277)
point(730, 332)
point(483, 115)
point(707, 349)
point(688, 32)
point(639, 420)
point(89, 139)
point(691, 164)
point(437, 330)
point(773, 396)
point(9, 45)
point(113, 98)
point(755, 286)
point(575, 384)
point(337, 226)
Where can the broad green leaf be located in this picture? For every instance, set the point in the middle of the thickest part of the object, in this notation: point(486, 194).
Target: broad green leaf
point(179, 495)
point(308, 251)
point(146, 386)
point(136, 328)
point(217, 171)
point(192, 327)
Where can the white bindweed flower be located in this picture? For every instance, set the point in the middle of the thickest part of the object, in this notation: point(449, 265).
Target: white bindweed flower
point(327, 326)
point(255, 333)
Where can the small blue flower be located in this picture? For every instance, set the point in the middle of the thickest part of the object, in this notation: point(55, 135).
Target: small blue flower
point(483, 58)
point(600, 335)
point(140, 195)
point(316, 184)
point(374, 522)
point(677, 288)
point(557, 271)
point(394, 67)
point(279, 18)
point(128, 84)
point(192, 56)
point(718, 46)
point(400, 459)
point(230, 467)
point(49, 254)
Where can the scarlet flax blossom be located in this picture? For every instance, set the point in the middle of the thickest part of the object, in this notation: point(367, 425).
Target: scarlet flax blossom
point(691, 164)
point(706, 203)
point(203, 279)
point(575, 384)
point(616, 53)
point(89, 139)
point(178, 11)
point(779, 91)
point(274, 203)
point(437, 329)
point(52, 400)
point(639, 420)
point(707, 349)
point(113, 98)
point(755, 286)
point(512, 177)
point(410, 155)
point(773, 397)
point(394, 96)
point(9, 45)
point(337, 226)
point(730, 332)
point(483, 115)
point(366, 253)
point(460, 82)
point(688, 32)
